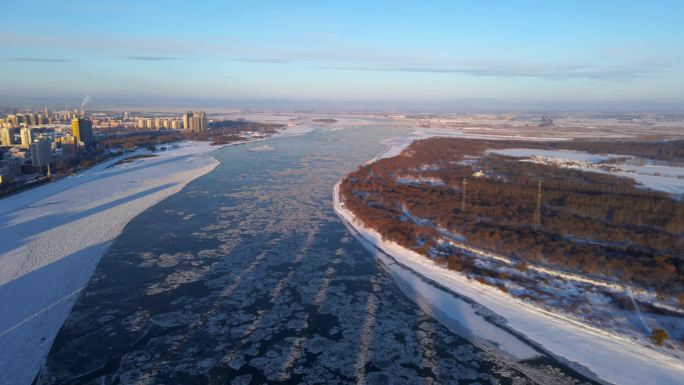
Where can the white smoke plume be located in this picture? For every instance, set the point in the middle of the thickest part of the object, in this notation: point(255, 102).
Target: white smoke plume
point(85, 101)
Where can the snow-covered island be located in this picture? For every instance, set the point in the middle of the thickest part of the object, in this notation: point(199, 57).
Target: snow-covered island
point(496, 316)
point(54, 235)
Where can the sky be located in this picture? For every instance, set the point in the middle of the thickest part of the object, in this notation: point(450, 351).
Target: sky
point(352, 52)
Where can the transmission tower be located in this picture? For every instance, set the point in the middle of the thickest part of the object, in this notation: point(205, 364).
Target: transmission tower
point(537, 211)
point(463, 195)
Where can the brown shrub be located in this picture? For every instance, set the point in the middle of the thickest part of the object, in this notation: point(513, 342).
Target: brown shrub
point(659, 336)
point(454, 264)
point(521, 266)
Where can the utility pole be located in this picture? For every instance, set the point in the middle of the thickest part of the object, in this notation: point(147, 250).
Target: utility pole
point(463, 196)
point(537, 211)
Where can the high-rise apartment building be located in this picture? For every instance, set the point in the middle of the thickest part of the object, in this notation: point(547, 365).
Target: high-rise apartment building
point(7, 137)
point(195, 121)
point(10, 168)
point(41, 153)
point(26, 137)
point(186, 120)
point(82, 129)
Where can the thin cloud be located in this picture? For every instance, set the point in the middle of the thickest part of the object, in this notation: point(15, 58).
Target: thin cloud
point(330, 52)
point(547, 71)
point(262, 60)
point(39, 60)
point(159, 45)
point(245, 60)
point(150, 58)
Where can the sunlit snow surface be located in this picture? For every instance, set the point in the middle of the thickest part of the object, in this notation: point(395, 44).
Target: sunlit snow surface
point(647, 173)
point(53, 236)
point(248, 276)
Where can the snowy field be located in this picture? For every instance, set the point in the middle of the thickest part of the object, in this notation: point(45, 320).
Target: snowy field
point(590, 350)
point(571, 125)
point(395, 145)
point(659, 177)
point(41, 275)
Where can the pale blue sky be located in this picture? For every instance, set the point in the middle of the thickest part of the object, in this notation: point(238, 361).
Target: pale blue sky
point(341, 51)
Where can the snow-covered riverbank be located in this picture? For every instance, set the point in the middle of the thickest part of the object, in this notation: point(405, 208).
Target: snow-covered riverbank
point(592, 351)
point(54, 235)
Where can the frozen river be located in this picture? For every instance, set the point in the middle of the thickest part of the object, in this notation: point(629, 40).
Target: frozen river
point(248, 276)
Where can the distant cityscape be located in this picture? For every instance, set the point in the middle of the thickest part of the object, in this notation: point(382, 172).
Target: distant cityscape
point(35, 144)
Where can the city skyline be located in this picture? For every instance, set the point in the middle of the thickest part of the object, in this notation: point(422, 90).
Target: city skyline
point(529, 55)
